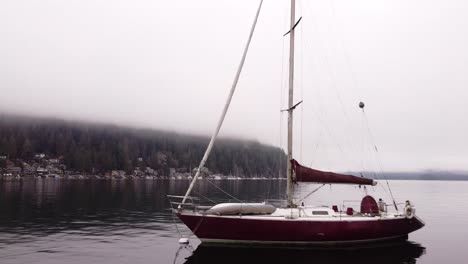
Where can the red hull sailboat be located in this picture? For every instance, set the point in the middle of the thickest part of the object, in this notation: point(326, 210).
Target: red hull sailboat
point(302, 225)
point(276, 229)
point(296, 223)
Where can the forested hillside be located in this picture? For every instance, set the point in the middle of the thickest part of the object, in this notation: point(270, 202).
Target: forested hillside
point(100, 148)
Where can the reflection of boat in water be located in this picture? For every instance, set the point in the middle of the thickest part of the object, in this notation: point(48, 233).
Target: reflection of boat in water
point(390, 252)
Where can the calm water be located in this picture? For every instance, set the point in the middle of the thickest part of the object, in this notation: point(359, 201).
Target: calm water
point(84, 221)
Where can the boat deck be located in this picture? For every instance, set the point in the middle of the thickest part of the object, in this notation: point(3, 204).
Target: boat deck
point(309, 213)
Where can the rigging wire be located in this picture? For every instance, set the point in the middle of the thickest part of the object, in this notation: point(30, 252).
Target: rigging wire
point(312, 192)
point(333, 84)
point(174, 219)
point(301, 81)
point(355, 85)
point(316, 147)
point(203, 196)
point(223, 191)
point(378, 158)
point(323, 61)
point(320, 113)
point(315, 150)
point(348, 123)
point(282, 90)
point(346, 54)
point(368, 148)
point(337, 91)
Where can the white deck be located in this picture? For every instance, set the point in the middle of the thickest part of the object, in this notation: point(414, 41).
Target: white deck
point(307, 214)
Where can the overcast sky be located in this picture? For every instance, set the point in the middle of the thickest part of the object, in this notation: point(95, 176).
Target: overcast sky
point(170, 64)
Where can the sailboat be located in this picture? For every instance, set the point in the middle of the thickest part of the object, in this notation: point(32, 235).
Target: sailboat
point(294, 223)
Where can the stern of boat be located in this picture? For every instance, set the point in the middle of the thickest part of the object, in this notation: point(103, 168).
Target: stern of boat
point(417, 223)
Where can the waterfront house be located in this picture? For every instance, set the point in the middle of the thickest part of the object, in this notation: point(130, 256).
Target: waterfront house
point(14, 170)
point(54, 161)
point(10, 163)
point(28, 169)
point(39, 156)
point(42, 171)
point(118, 174)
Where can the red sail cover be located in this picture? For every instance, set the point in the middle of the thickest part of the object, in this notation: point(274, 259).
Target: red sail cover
point(304, 174)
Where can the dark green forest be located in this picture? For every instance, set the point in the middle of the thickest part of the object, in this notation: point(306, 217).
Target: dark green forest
point(90, 147)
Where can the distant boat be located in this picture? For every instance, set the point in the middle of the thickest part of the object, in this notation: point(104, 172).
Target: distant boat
point(295, 224)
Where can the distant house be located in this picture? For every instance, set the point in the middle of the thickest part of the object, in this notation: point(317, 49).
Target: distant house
point(204, 171)
point(35, 165)
point(172, 171)
point(14, 170)
point(149, 171)
point(54, 161)
point(138, 172)
point(54, 170)
point(41, 170)
point(39, 156)
point(182, 170)
point(118, 173)
point(10, 163)
point(28, 169)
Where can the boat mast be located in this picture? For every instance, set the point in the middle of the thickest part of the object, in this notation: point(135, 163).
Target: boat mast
point(290, 186)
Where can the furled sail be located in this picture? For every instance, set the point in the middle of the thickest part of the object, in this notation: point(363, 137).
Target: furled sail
point(304, 174)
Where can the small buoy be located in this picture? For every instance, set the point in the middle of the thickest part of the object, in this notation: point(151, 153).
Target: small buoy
point(183, 241)
point(361, 105)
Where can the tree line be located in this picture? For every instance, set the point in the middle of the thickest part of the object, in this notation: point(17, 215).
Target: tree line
point(99, 148)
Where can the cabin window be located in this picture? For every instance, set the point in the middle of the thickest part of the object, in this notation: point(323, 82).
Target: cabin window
point(319, 212)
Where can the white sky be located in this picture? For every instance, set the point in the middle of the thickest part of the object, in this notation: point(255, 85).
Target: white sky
point(170, 64)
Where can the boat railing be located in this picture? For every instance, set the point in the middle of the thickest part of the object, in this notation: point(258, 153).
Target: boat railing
point(193, 203)
point(175, 202)
point(389, 207)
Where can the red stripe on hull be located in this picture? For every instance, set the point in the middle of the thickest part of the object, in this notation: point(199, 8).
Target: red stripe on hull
point(247, 230)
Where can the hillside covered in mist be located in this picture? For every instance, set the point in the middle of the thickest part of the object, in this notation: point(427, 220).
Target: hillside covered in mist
point(88, 147)
point(428, 175)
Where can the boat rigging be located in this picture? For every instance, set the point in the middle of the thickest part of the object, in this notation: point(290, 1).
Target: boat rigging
point(294, 224)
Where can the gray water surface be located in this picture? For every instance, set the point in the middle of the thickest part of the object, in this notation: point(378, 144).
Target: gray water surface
point(102, 221)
